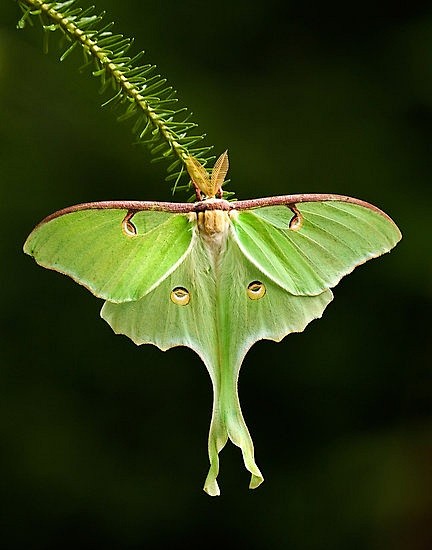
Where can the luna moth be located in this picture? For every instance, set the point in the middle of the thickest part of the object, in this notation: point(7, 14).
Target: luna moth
point(213, 275)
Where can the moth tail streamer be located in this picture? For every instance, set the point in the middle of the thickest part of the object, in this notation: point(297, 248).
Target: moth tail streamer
point(228, 423)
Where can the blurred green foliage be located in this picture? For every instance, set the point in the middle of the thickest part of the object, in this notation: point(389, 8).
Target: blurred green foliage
point(103, 443)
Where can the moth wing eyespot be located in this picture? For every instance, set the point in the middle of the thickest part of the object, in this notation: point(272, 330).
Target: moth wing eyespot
point(180, 296)
point(127, 226)
point(296, 221)
point(256, 290)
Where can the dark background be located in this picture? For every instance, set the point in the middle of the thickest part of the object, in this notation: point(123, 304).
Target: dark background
point(103, 444)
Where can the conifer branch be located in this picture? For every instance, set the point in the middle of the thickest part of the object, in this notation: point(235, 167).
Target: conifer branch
point(138, 91)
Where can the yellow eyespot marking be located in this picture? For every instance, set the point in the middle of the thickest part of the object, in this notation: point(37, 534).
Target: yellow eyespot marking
point(256, 290)
point(180, 296)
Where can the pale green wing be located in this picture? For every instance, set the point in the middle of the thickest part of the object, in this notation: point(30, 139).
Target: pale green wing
point(220, 322)
point(311, 247)
point(115, 258)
